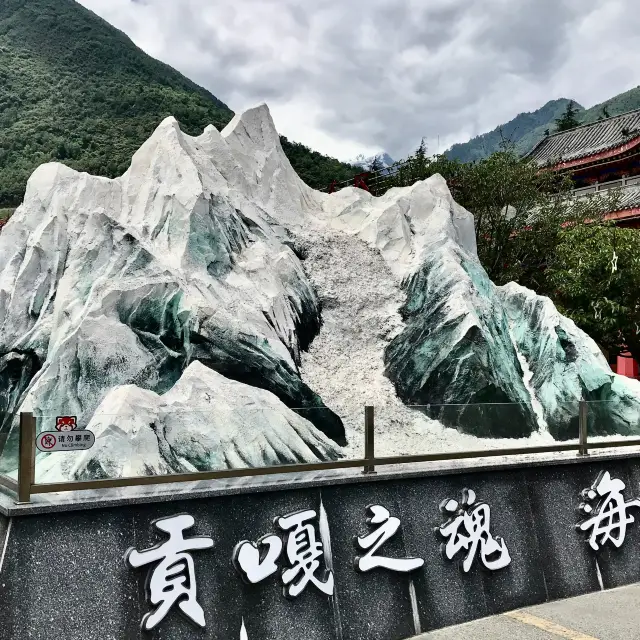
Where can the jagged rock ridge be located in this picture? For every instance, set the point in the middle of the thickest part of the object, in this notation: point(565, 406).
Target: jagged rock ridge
point(111, 291)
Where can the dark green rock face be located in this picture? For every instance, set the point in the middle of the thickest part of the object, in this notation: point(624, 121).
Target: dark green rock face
point(457, 351)
point(566, 367)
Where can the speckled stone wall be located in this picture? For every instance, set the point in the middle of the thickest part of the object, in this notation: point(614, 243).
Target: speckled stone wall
point(64, 575)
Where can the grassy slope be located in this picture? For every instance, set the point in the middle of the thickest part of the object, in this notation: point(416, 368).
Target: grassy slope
point(75, 89)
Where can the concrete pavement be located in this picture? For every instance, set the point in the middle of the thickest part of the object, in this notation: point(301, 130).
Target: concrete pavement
point(606, 615)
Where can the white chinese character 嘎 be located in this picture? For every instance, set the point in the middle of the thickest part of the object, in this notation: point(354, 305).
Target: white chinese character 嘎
point(253, 565)
point(173, 580)
point(303, 551)
point(609, 519)
point(470, 530)
point(389, 526)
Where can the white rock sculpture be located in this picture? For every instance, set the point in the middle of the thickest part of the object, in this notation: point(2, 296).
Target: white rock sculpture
point(205, 421)
point(114, 292)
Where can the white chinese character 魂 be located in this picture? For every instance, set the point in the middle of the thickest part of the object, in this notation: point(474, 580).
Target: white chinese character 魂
point(609, 520)
point(303, 551)
point(253, 565)
point(469, 530)
point(389, 526)
point(173, 580)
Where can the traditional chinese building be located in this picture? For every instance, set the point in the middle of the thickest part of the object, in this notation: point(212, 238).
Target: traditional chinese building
point(600, 156)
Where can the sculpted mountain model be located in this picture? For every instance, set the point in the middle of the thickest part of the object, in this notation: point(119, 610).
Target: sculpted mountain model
point(183, 313)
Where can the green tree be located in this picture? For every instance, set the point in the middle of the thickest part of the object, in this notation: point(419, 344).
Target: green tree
point(76, 90)
point(519, 211)
point(376, 178)
point(568, 120)
point(596, 281)
point(376, 165)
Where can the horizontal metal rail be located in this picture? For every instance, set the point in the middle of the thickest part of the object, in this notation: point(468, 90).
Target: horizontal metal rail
point(198, 476)
point(10, 484)
point(368, 463)
point(635, 442)
point(26, 485)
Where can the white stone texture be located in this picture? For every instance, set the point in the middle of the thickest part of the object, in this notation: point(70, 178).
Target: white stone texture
point(124, 293)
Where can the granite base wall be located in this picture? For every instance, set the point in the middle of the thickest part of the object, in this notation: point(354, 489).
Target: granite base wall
point(64, 577)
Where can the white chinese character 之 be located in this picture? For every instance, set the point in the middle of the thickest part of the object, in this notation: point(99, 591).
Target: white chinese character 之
point(469, 530)
point(172, 581)
point(303, 553)
point(608, 520)
point(387, 527)
point(257, 561)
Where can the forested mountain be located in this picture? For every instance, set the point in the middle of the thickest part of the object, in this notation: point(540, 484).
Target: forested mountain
point(527, 129)
point(75, 89)
point(623, 102)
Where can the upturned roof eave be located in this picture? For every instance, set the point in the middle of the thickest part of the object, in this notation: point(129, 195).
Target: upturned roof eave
point(603, 154)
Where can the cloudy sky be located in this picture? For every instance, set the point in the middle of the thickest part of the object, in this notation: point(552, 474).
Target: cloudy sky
point(348, 77)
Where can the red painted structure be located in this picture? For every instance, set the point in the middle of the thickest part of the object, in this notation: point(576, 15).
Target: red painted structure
point(604, 151)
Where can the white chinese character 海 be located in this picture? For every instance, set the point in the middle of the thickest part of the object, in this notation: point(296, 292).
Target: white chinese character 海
point(253, 565)
point(389, 526)
point(469, 530)
point(303, 551)
point(609, 519)
point(173, 580)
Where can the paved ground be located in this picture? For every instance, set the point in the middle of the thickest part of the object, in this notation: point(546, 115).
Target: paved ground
point(607, 615)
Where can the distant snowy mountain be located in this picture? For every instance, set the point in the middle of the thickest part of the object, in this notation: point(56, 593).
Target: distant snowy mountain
point(365, 163)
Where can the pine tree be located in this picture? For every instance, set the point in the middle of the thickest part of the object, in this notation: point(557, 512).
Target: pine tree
point(568, 119)
point(419, 161)
point(376, 165)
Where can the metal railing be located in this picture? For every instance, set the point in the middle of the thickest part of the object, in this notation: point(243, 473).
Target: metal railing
point(605, 186)
point(26, 485)
point(376, 182)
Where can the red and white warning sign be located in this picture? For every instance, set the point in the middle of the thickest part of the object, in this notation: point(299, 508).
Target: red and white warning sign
point(77, 440)
point(47, 441)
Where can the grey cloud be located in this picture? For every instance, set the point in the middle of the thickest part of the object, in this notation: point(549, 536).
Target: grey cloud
point(384, 73)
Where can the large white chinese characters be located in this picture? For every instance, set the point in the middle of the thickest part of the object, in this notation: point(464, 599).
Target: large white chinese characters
point(173, 580)
point(257, 561)
point(303, 553)
point(388, 527)
point(609, 519)
point(469, 530)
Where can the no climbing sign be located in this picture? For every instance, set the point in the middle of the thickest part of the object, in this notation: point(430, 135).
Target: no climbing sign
point(50, 441)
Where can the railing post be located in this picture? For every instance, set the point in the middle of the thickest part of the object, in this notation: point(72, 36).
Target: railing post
point(369, 440)
point(27, 456)
point(582, 429)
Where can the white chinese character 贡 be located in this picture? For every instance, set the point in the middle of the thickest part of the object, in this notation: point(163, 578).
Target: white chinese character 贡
point(303, 551)
point(469, 529)
point(173, 580)
point(389, 526)
point(609, 520)
point(253, 565)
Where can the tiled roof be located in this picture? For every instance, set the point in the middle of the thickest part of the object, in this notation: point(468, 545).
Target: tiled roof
point(587, 139)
